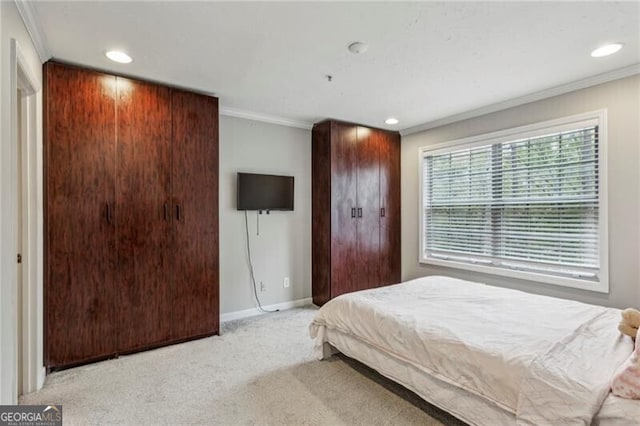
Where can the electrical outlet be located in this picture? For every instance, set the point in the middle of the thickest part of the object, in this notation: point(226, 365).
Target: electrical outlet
point(263, 287)
point(285, 282)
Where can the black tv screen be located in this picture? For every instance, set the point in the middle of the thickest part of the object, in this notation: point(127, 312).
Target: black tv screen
point(264, 192)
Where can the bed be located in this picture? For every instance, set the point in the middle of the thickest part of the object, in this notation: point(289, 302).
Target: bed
point(487, 355)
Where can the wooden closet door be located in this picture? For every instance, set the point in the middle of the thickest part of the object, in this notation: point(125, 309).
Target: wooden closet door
point(368, 239)
point(195, 212)
point(142, 217)
point(321, 211)
point(390, 248)
point(80, 243)
point(344, 230)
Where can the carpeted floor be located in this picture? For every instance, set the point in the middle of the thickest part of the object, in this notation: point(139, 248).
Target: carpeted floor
point(260, 370)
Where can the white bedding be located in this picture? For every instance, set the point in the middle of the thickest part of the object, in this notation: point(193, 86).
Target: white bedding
point(538, 358)
point(468, 407)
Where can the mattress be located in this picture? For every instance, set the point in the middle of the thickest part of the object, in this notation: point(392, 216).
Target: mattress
point(516, 358)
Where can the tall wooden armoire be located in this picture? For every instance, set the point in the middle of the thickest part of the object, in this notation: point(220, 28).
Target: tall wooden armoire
point(131, 215)
point(355, 208)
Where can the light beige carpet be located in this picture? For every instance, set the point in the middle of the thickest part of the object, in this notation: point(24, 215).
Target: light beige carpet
point(259, 371)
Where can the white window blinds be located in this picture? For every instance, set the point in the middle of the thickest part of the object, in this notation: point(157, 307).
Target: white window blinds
point(529, 204)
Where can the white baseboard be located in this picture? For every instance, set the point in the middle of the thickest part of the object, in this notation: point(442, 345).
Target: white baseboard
point(42, 373)
point(230, 316)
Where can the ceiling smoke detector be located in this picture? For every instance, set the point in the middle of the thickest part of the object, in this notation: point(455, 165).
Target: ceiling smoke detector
point(358, 47)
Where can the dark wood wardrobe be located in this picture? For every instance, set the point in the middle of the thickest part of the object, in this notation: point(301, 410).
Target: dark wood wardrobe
point(355, 209)
point(131, 215)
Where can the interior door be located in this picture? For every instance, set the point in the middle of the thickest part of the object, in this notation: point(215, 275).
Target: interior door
point(195, 214)
point(368, 239)
point(390, 208)
point(21, 207)
point(143, 213)
point(79, 230)
point(344, 208)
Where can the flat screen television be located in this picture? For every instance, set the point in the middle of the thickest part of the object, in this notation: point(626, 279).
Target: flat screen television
point(264, 192)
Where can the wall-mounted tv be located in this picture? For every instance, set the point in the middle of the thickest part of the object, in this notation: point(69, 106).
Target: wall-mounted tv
point(264, 192)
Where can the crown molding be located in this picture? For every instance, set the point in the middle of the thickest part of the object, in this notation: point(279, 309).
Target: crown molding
point(272, 119)
point(536, 96)
point(30, 19)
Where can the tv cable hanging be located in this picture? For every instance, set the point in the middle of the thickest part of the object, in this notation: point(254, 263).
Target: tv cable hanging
point(250, 262)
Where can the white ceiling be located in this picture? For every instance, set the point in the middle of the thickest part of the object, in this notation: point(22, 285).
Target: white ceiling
point(425, 60)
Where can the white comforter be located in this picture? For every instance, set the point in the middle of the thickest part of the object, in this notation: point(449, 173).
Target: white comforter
point(546, 360)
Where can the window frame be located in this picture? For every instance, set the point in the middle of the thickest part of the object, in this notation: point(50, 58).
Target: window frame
point(511, 134)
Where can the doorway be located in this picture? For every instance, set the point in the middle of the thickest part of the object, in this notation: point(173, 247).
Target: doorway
point(26, 345)
point(20, 243)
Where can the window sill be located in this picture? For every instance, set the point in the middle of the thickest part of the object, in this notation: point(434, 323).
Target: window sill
point(600, 287)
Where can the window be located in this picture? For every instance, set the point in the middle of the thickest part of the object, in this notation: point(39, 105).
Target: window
point(526, 203)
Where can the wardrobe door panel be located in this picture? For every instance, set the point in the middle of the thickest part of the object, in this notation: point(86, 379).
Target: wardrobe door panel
point(390, 248)
point(195, 210)
point(79, 291)
point(321, 213)
point(344, 231)
point(143, 219)
point(368, 239)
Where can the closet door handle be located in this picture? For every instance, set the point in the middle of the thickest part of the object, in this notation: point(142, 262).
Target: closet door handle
point(383, 212)
point(178, 212)
point(166, 211)
point(353, 213)
point(359, 211)
point(108, 214)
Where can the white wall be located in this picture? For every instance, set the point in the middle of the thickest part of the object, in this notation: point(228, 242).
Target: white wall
point(622, 100)
point(283, 247)
point(12, 27)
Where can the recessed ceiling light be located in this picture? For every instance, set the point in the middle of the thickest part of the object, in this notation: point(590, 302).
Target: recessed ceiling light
point(391, 121)
point(118, 56)
point(606, 50)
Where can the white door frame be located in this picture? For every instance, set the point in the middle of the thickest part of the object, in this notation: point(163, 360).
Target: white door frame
point(22, 78)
